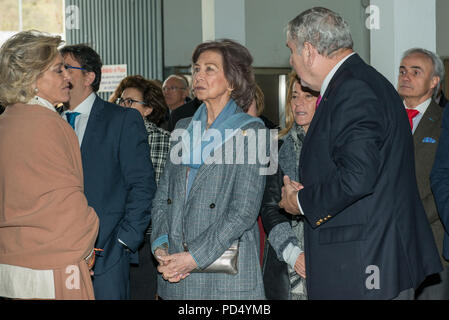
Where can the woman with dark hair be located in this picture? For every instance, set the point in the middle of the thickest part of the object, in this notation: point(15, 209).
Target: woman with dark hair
point(204, 204)
point(152, 104)
point(47, 229)
point(146, 96)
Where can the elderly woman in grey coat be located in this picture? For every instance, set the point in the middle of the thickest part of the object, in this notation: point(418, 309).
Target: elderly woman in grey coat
point(284, 263)
point(209, 196)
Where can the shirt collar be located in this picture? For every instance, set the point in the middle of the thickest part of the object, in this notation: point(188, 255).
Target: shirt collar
point(331, 74)
point(86, 106)
point(422, 108)
point(42, 102)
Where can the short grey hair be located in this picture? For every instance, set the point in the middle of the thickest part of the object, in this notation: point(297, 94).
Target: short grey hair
point(438, 66)
point(181, 78)
point(324, 29)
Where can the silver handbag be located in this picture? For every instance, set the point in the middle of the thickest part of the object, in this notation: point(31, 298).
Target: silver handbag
point(227, 263)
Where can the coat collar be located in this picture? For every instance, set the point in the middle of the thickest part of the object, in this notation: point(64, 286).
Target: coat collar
point(203, 172)
point(431, 118)
point(337, 79)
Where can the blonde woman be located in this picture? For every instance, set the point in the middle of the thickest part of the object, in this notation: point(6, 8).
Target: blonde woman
point(283, 265)
point(47, 230)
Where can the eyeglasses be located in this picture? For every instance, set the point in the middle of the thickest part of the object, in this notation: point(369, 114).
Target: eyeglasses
point(67, 67)
point(172, 88)
point(128, 102)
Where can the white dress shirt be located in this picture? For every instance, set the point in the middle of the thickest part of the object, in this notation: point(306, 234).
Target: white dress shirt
point(84, 109)
point(422, 108)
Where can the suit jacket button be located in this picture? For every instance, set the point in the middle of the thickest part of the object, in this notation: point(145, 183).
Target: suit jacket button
point(168, 201)
point(212, 205)
point(318, 223)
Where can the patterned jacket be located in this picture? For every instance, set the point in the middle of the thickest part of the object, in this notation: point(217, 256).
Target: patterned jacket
point(159, 141)
point(222, 206)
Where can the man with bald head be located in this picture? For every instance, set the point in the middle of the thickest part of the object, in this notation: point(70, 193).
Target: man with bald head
point(176, 90)
point(176, 93)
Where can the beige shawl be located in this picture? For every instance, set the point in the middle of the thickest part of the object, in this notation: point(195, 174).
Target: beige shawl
point(45, 222)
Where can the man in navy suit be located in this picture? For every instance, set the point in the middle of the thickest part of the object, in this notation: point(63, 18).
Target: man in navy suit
point(118, 175)
point(439, 180)
point(366, 232)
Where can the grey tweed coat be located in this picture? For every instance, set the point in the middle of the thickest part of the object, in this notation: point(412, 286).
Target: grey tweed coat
point(222, 206)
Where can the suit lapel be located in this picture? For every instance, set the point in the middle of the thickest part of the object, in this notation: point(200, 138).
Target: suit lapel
point(427, 125)
point(338, 78)
point(204, 171)
point(181, 176)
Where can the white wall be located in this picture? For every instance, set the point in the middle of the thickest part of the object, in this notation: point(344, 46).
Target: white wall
point(402, 27)
point(230, 20)
point(442, 9)
point(182, 30)
point(265, 25)
point(266, 21)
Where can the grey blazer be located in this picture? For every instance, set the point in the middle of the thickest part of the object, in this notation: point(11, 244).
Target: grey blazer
point(223, 205)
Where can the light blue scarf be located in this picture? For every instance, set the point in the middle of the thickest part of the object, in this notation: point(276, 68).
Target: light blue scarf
point(196, 139)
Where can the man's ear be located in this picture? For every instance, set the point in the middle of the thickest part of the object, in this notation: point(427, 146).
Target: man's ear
point(434, 82)
point(89, 78)
point(310, 53)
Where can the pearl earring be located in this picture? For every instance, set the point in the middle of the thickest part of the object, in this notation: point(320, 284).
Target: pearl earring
point(36, 90)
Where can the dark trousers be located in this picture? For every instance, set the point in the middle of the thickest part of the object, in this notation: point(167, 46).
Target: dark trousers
point(113, 284)
point(143, 276)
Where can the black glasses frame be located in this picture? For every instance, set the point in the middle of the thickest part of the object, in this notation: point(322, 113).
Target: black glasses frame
point(128, 102)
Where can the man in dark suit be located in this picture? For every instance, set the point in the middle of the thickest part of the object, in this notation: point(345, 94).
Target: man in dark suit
point(439, 179)
point(118, 174)
point(366, 232)
point(420, 76)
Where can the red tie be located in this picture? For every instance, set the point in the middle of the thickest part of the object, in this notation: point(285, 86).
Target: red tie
point(411, 113)
point(318, 101)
